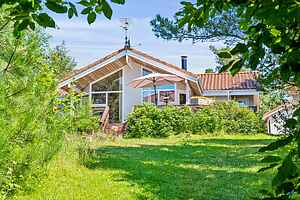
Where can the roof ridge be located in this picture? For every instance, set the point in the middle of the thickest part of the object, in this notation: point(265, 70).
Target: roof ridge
point(220, 73)
point(162, 61)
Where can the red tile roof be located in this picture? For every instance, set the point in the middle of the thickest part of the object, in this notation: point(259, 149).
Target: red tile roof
point(224, 81)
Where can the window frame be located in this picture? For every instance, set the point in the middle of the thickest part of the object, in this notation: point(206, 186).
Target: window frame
point(91, 92)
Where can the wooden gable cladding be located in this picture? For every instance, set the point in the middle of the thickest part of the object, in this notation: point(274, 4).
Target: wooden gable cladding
point(84, 82)
point(147, 66)
point(194, 88)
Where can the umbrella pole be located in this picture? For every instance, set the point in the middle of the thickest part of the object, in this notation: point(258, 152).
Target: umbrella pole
point(155, 92)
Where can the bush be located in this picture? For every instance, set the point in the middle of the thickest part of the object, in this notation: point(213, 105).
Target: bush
point(84, 121)
point(227, 117)
point(233, 119)
point(205, 121)
point(150, 121)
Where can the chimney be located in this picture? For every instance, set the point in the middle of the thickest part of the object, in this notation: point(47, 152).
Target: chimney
point(184, 63)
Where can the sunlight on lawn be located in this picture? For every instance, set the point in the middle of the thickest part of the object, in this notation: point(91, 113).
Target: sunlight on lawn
point(199, 167)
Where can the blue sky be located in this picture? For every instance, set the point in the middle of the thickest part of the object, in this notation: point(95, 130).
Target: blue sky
point(90, 42)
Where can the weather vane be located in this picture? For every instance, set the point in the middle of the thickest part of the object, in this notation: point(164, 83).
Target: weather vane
point(125, 26)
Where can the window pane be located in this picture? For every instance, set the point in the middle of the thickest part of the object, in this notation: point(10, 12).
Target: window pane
point(111, 83)
point(115, 106)
point(146, 72)
point(167, 96)
point(99, 98)
point(148, 96)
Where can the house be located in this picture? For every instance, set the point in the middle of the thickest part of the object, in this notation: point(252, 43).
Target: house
point(275, 119)
point(243, 88)
point(106, 83)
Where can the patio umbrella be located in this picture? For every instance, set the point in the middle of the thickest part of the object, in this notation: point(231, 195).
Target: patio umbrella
point(154, 80)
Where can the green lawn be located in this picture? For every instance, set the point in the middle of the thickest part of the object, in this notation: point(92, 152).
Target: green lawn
point(199, 167)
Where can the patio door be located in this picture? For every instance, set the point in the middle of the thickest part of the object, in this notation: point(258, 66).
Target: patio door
point(115, 107)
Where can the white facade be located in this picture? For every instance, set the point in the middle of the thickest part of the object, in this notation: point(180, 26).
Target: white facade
point(275, 120)
point(131, 96)
point(106, 81)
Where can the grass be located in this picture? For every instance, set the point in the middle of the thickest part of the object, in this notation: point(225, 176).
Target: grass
point(177, 168)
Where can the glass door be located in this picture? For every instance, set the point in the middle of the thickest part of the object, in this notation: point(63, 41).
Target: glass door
point(115, 107)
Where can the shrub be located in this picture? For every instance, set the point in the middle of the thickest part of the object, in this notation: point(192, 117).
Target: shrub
point(228, 117)
point(233, 119)
point(150, 121)
point(205, 121)
point(84, 121)
point(176, 119)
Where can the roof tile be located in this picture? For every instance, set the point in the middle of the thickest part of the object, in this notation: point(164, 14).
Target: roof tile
point(225, 81)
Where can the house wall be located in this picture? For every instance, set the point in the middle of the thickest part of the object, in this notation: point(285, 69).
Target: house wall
point(131, 96)
point(275, 126)
point(251, 97)
point(248, 99)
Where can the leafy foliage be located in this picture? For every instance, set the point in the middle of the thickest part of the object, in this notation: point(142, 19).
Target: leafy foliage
point(150, 121)
point(32, 129)
point(27, 14)
point(77, 108)
point(59, 57)
point(219, 27)
point(209, 70)
point(271, 45)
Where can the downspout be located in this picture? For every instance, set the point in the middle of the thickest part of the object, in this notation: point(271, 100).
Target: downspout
point(228, 95)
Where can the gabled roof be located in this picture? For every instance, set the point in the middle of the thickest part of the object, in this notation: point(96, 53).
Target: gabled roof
point(162, 62)
point(97, 62)
point(224, 81)
point(125, 53)
point(280, 108)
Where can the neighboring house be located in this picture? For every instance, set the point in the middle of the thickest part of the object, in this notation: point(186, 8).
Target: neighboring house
point(106, 82)
point(243, 87)
point(275, 119)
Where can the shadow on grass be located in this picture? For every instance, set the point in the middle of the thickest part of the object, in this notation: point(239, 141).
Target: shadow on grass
point(203, 169)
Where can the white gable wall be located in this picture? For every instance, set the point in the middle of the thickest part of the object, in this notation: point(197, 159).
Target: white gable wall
point(131, 96)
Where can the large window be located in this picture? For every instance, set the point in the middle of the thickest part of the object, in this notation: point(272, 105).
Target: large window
point(108, 92)
point(111, 83)
point(101, 89)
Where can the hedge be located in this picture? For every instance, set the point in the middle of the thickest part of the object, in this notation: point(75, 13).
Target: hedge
point(227, 117)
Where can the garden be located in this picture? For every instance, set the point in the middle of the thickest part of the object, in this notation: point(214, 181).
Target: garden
point(50, 147)
point(166, 153)
point(183, 166)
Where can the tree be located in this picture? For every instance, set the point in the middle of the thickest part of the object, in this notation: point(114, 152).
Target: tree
point(32, 130)
point(271, 45)
point(223, 26)
point(223, 61)
point(59, 57)
point(209, 70)
point(29, 13)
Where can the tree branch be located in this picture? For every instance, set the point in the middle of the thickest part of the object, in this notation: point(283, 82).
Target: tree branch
point(4, 25)
point(16, 93)
point(10, 60)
